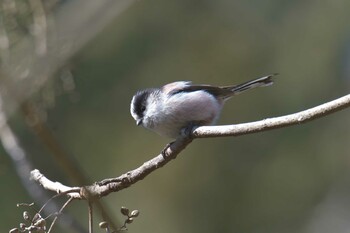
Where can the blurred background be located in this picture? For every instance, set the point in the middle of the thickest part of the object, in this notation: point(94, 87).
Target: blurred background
point(70, 68)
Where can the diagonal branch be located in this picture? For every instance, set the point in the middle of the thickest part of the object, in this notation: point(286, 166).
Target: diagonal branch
point(107, 186)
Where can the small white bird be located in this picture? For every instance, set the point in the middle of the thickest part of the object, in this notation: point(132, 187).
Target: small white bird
point(182, 105)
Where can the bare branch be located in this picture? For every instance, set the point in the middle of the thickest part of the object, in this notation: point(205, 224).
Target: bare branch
point(273, 123)
point(107, 186)
point(54, 186)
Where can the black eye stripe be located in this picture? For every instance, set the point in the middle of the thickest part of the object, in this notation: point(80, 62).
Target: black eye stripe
point(140, 102)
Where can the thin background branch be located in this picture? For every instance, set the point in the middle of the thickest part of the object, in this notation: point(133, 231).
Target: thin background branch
point(23, 166)
point(56, 34)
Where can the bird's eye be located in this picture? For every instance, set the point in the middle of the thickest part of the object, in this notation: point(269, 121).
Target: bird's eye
point(143, 108)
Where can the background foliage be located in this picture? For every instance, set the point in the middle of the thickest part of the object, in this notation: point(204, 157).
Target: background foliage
point(287, 180)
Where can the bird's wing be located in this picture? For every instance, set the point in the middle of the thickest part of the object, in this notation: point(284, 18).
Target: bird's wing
point(175, 87)
point(186, 86)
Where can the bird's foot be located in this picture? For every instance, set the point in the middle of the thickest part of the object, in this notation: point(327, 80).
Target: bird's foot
point(164, 151)
point(186, 132)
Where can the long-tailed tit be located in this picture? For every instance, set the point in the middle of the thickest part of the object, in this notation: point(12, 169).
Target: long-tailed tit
point(170, 109)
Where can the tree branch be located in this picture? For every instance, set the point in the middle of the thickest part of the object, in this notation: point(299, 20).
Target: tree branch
point(107, 186)
point(273, 123)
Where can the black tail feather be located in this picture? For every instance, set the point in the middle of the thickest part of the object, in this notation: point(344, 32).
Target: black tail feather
point(259, 82)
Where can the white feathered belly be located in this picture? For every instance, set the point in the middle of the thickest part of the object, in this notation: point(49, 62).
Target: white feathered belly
point(196, 108)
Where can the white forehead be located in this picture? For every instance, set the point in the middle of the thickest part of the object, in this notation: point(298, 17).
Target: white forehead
point(132, 109)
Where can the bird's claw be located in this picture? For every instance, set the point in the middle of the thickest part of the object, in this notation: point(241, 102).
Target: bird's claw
point(164, 151)
point(186, 132)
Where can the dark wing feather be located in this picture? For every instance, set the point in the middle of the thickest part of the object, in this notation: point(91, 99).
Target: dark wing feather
point(215, 91)
point(223, 92)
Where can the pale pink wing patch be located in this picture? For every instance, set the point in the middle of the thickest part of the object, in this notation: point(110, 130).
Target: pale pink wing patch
point(175, 87)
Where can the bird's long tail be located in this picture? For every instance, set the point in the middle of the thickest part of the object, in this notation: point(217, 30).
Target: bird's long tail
point(259, 82)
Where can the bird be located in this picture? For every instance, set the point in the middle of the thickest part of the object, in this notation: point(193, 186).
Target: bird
point(178, 107)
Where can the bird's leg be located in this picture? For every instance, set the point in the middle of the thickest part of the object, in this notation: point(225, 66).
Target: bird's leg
point(164, 153)
point(185, 132)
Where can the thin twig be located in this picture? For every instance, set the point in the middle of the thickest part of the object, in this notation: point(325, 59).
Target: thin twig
point(54, 186)
point(56, 217)
point(90, 218)
point(73, 190)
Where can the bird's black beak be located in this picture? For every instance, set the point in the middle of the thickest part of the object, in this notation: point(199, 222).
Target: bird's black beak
point(139, 122)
